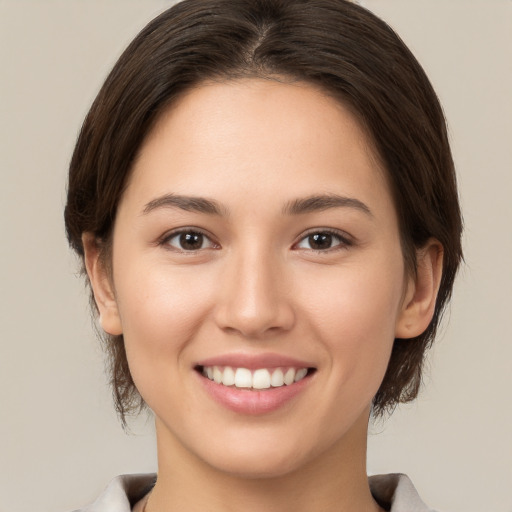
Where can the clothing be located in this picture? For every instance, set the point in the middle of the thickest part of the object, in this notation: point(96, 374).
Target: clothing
point(394, 492)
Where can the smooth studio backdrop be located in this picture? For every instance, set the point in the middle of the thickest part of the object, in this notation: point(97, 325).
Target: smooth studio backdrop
point(60, 442)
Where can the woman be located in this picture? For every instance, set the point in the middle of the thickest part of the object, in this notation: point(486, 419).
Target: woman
point(265, 203)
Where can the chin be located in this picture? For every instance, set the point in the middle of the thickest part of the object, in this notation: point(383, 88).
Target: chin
point(261, 456)
point(255, 466)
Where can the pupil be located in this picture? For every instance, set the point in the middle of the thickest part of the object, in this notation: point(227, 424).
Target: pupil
point(320, 241)
point(191, 241)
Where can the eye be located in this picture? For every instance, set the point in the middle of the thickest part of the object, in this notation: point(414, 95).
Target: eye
point(188, 240)
point(323, 241)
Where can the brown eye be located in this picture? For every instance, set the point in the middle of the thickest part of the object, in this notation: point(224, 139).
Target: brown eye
point(320, 241)
point(323, 241)
point(189, 241)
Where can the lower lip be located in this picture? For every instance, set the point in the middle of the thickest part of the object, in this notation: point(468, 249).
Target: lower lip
point(253, 402)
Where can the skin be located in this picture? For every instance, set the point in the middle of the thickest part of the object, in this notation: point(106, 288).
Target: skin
point(257, 284)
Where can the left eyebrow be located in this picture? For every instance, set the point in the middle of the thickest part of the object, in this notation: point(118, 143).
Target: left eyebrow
point(187, 203)
point(318, 203)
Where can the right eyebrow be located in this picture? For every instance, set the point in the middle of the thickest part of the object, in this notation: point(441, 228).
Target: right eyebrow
point(323, 202)
point(187, 203)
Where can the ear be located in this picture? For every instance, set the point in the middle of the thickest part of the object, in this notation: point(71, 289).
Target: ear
point(421, 293)
point(102, 286)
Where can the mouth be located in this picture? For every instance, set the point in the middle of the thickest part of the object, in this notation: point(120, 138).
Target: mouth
point(258, 379)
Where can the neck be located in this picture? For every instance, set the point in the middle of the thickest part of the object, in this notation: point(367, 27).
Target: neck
point(333, 481)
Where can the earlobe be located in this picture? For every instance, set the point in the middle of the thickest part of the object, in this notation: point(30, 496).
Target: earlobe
point(102, 287)
point(421, 294)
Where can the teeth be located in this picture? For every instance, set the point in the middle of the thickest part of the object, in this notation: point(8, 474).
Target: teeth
point(228, 377)
point(261, 378)
point(277, 379)
point(300, 374)
point(243, 378)
point(217, 375)
point(289, 376)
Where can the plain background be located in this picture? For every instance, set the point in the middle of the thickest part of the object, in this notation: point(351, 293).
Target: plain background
point(60, 442)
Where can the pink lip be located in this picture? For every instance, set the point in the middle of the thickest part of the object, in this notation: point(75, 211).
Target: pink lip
point(254, 361)
point(252, 402)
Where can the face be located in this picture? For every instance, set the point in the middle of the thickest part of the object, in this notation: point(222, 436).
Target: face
point(258, 278)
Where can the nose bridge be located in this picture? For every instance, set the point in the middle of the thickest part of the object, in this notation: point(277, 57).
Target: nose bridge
point(254, 299)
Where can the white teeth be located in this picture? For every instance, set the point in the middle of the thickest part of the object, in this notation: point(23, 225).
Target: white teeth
point(228, 378)
point(261, 378)
point(217, 375)
point(243, 378)
point(300, 374)
point(277, 379)
point(289, 376)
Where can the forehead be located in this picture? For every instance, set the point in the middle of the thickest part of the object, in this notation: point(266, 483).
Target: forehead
point(256, 134)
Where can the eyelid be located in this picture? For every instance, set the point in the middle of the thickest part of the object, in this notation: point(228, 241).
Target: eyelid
point(164, 239)
point(344, 238)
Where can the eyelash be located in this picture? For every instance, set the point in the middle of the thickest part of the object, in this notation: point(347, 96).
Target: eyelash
point(165, 240)
point(343, 240)
point(341, 237)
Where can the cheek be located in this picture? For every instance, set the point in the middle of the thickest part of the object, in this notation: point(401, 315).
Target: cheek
point(161, 310)
point(360, 298)
point(354, 312)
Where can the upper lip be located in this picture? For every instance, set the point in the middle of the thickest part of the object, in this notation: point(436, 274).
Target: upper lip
point(254, 361)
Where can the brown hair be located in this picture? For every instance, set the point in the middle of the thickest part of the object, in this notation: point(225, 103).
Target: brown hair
point(335, 44)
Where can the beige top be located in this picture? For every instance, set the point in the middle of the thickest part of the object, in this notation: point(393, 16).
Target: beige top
point(128, 493)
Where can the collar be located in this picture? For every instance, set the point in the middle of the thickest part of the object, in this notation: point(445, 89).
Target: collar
point(394, 492)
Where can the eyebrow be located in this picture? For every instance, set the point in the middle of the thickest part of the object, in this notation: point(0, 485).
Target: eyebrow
point(317, 203)
point(187, 203)
point(298, 206)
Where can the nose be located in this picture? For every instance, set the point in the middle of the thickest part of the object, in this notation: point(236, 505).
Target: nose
point(254, 300)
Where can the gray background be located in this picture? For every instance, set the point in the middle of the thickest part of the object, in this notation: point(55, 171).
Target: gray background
point(60, 441)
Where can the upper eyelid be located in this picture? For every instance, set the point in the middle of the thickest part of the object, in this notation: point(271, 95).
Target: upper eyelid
point(345, 241)
point(187, 229)
point(342, 235)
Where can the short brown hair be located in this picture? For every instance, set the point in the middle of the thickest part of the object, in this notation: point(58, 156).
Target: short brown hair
point(335, 44)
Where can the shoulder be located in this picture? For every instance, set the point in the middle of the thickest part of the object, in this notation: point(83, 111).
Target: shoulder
point(122, 493)
point(397, 493)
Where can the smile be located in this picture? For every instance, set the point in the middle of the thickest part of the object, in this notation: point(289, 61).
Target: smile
point(258, 379)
